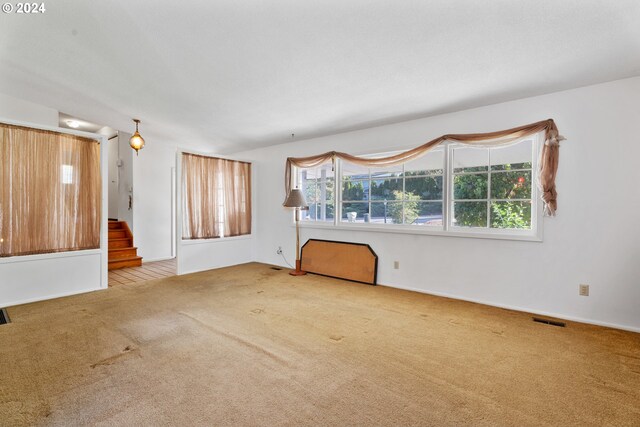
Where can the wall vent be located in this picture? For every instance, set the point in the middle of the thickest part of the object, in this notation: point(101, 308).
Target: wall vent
point(4, 317)
point(549, 322)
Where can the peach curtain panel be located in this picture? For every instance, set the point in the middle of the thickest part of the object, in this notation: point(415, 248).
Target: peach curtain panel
point(237, 197)
point(548, 162)
point(201, 201)
point(215, 192)
point(50, 192)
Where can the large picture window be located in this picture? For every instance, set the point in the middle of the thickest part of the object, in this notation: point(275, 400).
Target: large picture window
point(216, 197)
point(454, 188)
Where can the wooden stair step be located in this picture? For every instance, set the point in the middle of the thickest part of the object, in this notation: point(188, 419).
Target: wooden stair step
point(115, 234)
point(132, 261)
point(126, 252)
point(121, 242)
point(122, 253)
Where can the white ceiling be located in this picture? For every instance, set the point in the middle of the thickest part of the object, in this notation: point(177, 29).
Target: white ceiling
point(83, 125)
point(230, 75)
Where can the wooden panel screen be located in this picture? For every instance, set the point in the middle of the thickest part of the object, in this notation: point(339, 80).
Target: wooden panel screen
point(343, 260)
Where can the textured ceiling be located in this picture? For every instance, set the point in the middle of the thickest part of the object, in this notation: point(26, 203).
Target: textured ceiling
point(230, 75)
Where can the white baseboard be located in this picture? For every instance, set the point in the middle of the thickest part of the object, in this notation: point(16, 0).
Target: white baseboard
point(522, 309)
point(211, 268)
point(157, 259)
point(52, 296)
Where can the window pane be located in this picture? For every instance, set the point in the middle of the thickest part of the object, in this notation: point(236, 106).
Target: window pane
point(309, 189)
point(431, 163)
point(511, 166)
point(329, 214)
point(310, 173)
point(425, 188)
point(470, 159)
point(387, 171)
point(470, 214)
point(311, 214)
point(325, 181)
point(354, 212)
point(389, 214)
point(472, 186)
point(517, 156)
point(306, 175)
point(350, 170)
point(329, 185)
point(355, 190)
point(318, 186)
point(511, 215)
point(386, 189)
point(511, 185)
point(423, 213)
point(318, 211)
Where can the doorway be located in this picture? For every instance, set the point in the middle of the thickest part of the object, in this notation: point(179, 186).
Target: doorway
point(120, 170)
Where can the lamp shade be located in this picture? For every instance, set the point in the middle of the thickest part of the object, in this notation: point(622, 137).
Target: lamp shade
point(295, 199)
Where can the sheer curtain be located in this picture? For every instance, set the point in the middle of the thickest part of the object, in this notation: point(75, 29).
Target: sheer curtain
point(201, 201)
point(50, 191)
point(216, 197)
point(237, 197)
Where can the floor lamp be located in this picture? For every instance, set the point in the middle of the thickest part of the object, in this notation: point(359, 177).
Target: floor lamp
point(296, 200)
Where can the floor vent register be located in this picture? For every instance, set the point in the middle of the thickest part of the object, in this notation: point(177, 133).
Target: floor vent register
point(549, 322)
point(4, 317)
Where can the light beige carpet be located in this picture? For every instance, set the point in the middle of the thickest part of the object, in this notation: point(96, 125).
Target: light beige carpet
point(248, 345)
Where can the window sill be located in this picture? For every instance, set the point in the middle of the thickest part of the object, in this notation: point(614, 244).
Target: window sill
point(216, 240)
point(436, 231)
point(52, 255)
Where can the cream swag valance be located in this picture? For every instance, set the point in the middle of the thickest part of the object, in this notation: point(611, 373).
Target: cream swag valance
point(548, 164)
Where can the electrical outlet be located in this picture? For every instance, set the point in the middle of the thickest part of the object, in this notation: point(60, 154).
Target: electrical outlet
point(584, 290)
point(279, 251)
point(396, 265)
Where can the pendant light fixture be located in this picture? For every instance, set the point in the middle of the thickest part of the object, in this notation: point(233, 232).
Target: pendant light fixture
point(136, 141)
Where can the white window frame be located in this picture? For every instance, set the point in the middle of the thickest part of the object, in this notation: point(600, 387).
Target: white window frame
point(535, 233)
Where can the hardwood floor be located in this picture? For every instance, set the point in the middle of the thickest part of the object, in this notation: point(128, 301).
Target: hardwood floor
point(148, 271)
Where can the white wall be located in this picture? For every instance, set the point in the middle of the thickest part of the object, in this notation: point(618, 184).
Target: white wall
point(200, 255)
point(38, 277)
point(593, 239)
point(24, 111)
point(152, 200)
point(113, 172)
point(125, 180)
